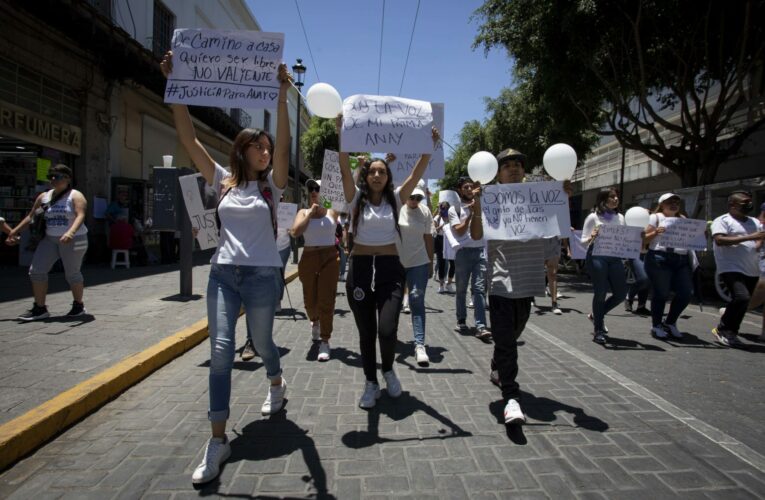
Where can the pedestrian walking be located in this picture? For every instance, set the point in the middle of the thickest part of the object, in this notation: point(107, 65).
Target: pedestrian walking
point(669, 270)
point(318, 268)
point(375, 280)
point(58, 217)
point(246, 267)
point(737, 238)
point(470, 261)
point(607, 272)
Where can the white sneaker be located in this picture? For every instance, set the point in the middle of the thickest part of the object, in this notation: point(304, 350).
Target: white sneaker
point(672, 329)
point(658, 332)
point(441, 288)
point(315, 331)
point(370, 396)
point(450, 288)
point(275, 399)
point(323, 352)
point(421, 355)
point(392, 384)
point(217, 451)
point(513, 413)
point(592, 320)
point(722, 311)
point(556, 309)
point(406, 309)
point(470, 304)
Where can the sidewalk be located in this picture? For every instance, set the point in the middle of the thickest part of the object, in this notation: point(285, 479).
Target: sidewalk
point(589, 434)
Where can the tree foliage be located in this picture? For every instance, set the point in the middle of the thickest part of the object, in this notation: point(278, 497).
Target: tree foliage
point(634, 69)
point(321, 135)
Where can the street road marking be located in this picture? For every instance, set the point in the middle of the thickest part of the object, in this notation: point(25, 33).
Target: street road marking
point(714, 434)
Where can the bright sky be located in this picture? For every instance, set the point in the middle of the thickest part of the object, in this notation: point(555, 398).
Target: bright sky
point(344, 36)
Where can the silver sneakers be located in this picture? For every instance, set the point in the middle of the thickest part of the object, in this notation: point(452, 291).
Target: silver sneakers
point(315, 331)
point(217, 451)
point(370, 396)
point(659, 332)
point(323, 352)
point(421, 356)
point(513, 413)
point(392, 384)
point(275, 399)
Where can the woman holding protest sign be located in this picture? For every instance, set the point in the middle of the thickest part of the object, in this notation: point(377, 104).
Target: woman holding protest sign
point(606, 272)
point(246, 268)
point(669, 269)
point(375, 280)
point(318, 268)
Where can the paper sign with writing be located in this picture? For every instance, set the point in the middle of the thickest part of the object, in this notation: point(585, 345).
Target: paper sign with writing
point(449, 196)
point(614, 240)
point(525, 211)
point(231, 69)
point(404, 164)
point(202, 219)
point(388, 124)
point(684, 233)
point(578, 249)
point(285, 215)
point(331, 193)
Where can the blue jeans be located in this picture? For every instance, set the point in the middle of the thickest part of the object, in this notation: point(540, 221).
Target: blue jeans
point(230, 287)
point(471, 265)
point(417, 282)
point(606, 273)
point(642, 284)
point(669, 271)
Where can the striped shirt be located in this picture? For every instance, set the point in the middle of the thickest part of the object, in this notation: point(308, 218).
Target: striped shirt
point(517, 268)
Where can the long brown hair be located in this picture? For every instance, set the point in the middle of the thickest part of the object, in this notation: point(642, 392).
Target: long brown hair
point(237, 159)
point(388, 194)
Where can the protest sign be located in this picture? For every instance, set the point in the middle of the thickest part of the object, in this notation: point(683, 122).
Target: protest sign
point(404, 163)
point(449, 196)
point(578, 249)
point(331, 194)
point(449, 252)
point(614, 240)
point(195, 189)
point(386, 124)
point(231, 69)
point(683, 233)
point(525, 211)
point(285, 215)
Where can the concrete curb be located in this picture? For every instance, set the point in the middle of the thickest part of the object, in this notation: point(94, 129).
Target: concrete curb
point(29, 431)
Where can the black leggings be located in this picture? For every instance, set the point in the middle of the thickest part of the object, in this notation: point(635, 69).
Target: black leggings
point(376, 311)
point(441, 263)
point(508, 319)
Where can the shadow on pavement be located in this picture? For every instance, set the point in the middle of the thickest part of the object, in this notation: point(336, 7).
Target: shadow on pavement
point(249, 366)
point(617, 344)
point(182, 298)
point(346, 356)
point(406, 353)
point(399, 409)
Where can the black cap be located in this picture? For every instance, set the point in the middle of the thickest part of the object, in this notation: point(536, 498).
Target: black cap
point(511, 154)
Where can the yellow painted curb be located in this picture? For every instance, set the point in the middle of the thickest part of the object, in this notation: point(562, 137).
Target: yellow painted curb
point(27, 432)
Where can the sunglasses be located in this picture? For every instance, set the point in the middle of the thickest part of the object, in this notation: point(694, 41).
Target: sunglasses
point(314, 189)
point(56, 177)
point(417, 198)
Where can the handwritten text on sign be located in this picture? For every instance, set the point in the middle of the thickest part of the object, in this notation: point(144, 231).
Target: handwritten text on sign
point(386, 124)
point(203, 220)
point(684, 233)
point(232, 69)
point(618, 241)
point(285, 215)
point(404, 164)
point(331, 193)
point(525, 211)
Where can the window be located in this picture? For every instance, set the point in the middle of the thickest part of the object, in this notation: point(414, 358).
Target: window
point(266, 120)
point(164, 24)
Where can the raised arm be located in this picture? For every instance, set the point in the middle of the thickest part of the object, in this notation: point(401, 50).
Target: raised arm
point(349, 186)
point(185, 129)
point(411, 182)
point(281, 157)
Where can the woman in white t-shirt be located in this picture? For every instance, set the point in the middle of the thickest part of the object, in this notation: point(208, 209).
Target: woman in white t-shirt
point(246, 267)
point(606, 272)
point(375, 281)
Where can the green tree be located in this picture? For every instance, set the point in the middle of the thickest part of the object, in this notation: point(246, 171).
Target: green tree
point(321, 135)
point(473, 138)
point(634, 69)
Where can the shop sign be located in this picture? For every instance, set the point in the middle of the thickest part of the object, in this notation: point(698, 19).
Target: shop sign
point(39, 129)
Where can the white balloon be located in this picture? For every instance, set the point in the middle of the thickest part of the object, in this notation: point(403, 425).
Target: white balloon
point(324, 101)
point(482, 167)
point(637, 217)
point(560, 161)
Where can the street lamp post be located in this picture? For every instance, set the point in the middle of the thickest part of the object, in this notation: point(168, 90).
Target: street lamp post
point(299, 70)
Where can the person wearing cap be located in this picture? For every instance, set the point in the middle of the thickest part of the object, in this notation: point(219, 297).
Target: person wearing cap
point(737, 238)
point(66, 238)
point(416, 254)
point(318, 268)
point(470, 261)
point(669, 270)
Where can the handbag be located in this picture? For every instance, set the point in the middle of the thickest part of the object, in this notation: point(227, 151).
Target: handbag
point(37, 226)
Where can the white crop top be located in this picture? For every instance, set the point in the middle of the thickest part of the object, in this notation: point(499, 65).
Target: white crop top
point(60, 216)
point(320, 232)
point(377, 226)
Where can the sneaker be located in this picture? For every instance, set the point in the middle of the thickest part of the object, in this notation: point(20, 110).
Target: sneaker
point(558, 295)
point(37, 312)
point(462, 328)
point(721, 337)
point(450, 288)
point(78, 309)
point(672, 329)
point(600, 338)
point(658, 332)
point(628, 306)
point(642, 310)
point(483, 333)
point(323, 352)
point(420, 355)
point(406, 309)
point(494, 377)
point(513, 413)
point(315, 331)
point(592, 320)
point(370, 396)
point(547, 291)
point(441, 288)
point(248, 351)
point(217, 451)
point(392, 384)
point(533, 303)
point(470, 304)
point(556, 309)
point(733, 340)
point(722, 311)
point(275, 399)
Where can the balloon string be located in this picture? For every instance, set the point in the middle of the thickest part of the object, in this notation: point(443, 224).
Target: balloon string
point(298, 90)
point(452, 147)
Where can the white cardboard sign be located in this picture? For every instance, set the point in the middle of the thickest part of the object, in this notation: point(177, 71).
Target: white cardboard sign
point(193, 188)
point(285, 215)
point(684, 233)
point(614, 240)
point(578, 250)
point(331, 194)
point(404, 164)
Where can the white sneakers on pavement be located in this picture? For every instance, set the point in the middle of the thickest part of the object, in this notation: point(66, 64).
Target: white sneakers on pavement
point(275, 399)
point(370, 396)
point(323, 352)
point(392, 384)
point(513, 413)
point(217, 451)
point(421, 355)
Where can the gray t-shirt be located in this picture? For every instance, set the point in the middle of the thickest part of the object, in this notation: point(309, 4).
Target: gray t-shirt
point(517, 268)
